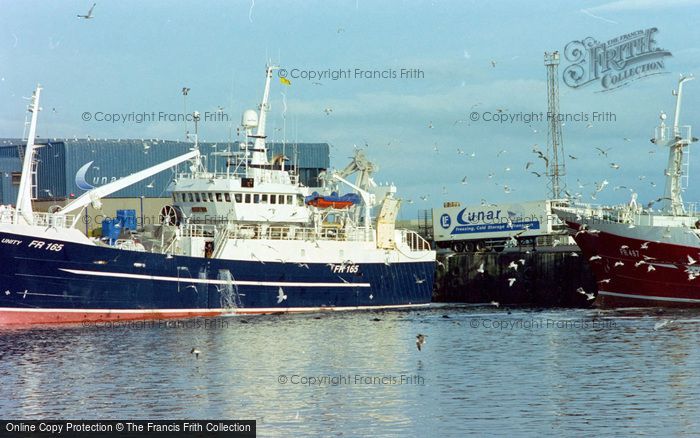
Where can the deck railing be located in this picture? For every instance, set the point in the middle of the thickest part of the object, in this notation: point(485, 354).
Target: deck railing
point(415, 241)
point(266, 177)
point(274, 232)
point(8, 214)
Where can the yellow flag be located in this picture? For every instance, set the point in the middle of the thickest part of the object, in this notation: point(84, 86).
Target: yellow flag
point(285, 81)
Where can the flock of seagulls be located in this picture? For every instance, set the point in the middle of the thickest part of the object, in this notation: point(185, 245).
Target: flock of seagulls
point(531, 168)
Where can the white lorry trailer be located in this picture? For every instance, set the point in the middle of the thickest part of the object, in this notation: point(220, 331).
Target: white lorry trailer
point(494, 226)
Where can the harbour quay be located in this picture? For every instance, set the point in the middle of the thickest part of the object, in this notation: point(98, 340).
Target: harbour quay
point(547, 277)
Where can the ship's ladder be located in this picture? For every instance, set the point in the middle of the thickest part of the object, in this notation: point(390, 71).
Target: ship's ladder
point(685, 168)
point(34, 187)
point(33, 172)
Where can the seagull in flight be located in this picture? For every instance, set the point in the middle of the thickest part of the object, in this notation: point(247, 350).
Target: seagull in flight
point(589, 297)
point(281, 295)
point(603, 152)
point(89, 14)
point(420, 340)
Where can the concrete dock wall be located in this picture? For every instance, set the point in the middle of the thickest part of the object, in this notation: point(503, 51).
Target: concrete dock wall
point(543, 278)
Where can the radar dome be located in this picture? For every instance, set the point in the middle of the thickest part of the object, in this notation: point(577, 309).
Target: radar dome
point(249, 119)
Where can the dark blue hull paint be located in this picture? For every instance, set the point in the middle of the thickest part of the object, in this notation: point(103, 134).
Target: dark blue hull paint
point(32, 278)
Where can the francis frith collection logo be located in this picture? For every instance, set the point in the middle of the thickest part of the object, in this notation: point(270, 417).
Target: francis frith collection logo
point(616, 62)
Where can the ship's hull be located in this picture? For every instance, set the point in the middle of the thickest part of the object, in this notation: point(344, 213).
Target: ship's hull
point(640, 266)
point(84, 282)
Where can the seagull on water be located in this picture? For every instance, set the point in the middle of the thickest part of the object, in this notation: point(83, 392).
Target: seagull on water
point(663, 323)
point(195, 352)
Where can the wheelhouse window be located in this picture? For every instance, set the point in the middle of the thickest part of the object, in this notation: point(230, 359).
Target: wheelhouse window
point(190, 197)
point(289, 199)
point(211, 197)
point(238, 197)
point(256, 198)
point(218, 197)
point(196, 197)
point(227, 197)
point(263, 198)
point(204, 197)
point(247, 198)
point(273, 199)
point(182, 196)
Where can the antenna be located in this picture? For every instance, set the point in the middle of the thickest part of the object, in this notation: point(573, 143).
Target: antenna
point(185, 92)
point(555, 145)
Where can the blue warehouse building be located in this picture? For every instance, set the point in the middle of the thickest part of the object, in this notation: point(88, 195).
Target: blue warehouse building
point(68, 167)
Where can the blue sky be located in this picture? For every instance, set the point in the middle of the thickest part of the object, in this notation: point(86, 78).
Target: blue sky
point(137, 56)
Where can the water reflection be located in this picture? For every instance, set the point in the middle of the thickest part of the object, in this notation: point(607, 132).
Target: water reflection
point(479, 371)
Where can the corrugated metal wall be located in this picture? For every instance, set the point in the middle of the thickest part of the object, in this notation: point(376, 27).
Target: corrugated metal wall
point(51, 171)
point(309, 155)
point(8, 191)
point(103, 161)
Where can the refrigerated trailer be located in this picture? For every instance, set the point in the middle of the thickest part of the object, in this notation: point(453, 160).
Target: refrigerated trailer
point(495, 226)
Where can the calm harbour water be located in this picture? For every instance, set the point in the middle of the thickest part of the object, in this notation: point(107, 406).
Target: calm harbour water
point(482, 371)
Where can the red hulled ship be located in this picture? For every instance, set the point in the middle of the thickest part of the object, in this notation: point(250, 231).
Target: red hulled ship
point(643, 257)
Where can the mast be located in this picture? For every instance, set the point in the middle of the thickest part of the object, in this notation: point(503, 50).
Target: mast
point(24, 194)
point(259, 151)
point(676, 139)
point(555, 145)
